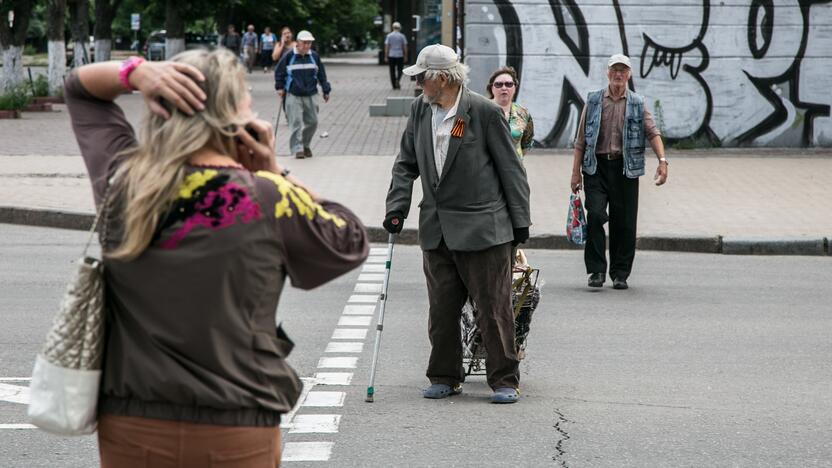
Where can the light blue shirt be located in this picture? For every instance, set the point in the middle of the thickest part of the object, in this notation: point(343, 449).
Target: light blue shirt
point(396, 42)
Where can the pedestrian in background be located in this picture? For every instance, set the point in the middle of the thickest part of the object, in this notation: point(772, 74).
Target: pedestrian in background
point(609, 153)
point(250, 47)
point(195, 258)
point(501, 88)
point(267, 41)
point(231, 40)
point(284, 45)
point(296, 79)
point(475, 206)
point(395, 54)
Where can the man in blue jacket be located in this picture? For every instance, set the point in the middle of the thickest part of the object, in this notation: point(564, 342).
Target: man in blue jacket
point(296, 79)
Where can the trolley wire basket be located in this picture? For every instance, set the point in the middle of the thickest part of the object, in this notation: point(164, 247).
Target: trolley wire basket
point(525, 297)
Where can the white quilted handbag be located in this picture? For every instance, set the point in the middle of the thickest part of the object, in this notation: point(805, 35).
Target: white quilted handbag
point(67, 373)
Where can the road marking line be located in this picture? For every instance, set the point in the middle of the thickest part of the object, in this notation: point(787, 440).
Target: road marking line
point(355, 321)
point(308, 383)
point(339, 362)
point(352, 309)
point(368, 288)
point(363, 299)
point(333, 378)
point(344, 347)
point(14, 394)
point(320, 399)
point(17, 426)
point(371, 277)
point(15, 379)
point(306, 451)
point(377, 258)
point(372, 268)
point(315, 424)
point(349, 334)
point(379, 251)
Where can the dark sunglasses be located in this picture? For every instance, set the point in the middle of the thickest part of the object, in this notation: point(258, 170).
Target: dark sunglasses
point(500, 84)
point(420, 78)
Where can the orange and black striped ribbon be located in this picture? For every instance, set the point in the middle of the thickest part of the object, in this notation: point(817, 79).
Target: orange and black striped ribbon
point(458, 129)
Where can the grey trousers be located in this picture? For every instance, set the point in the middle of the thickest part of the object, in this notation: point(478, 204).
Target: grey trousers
point(302, 112)
point(485, 275)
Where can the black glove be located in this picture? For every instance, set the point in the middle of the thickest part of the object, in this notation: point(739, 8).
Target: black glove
point(521, 235)
point(394, 222)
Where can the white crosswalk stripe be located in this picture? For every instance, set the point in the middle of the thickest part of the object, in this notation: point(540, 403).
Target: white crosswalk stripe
point(306, 451)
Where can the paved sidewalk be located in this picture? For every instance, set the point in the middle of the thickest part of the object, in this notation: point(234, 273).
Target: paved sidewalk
point(715, 200)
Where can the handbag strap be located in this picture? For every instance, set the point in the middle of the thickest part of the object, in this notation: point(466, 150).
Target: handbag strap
point(102, 208)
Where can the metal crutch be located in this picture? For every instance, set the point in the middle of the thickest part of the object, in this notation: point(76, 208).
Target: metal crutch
point(277, 120)
point(380, 326)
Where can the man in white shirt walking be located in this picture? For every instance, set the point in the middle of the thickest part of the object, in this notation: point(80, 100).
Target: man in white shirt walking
point(395, 54)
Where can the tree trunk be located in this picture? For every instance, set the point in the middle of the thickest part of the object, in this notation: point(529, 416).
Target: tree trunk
point(105, 11)
point(12, 40)
point(79, 14)
point(55, 18)
point(175, 27)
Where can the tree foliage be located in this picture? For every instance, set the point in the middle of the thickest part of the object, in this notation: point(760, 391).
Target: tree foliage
point(328, 20)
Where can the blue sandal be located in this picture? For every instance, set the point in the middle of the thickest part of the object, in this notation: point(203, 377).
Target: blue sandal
point(505, 395)
point(438, 391)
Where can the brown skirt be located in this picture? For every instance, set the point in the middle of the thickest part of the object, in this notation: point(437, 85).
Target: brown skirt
point(128, 442)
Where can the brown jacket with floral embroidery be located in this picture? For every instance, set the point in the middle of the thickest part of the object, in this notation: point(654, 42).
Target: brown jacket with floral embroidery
point(191, 321)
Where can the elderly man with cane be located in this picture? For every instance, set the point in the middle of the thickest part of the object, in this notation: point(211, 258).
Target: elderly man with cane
point(609, 151)
point(475, 208)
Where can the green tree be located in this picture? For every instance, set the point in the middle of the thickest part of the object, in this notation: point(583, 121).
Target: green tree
point(13, 38)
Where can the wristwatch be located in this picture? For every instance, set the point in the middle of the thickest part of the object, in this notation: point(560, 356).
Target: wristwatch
point(663, 160)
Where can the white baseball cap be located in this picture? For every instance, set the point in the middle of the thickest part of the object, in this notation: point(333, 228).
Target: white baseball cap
point(305, 36)
point(433, 57)
point(619, 58)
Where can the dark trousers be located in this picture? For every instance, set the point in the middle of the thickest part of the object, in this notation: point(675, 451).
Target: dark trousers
point(609, 186)
point(396, 65)
point(485, 275)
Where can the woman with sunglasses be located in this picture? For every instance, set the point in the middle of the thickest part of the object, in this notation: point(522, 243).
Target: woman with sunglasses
point(501, 88)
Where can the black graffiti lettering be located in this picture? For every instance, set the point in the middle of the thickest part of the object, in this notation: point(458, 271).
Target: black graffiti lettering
point(514, 37)
point(760, 27)
point(579, 48)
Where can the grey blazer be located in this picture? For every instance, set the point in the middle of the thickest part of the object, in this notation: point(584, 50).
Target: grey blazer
point(482, 193)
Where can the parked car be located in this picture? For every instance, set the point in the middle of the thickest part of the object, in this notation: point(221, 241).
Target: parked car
point(154, 48)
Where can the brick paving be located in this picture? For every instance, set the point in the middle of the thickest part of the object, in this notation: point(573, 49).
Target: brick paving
point(739, 192)
point(345, 118)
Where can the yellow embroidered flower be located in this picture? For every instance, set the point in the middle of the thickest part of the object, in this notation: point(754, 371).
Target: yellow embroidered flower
point(194, 181)
point(296, 199)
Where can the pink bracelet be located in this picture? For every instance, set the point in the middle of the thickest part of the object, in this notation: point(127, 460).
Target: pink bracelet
point(126, 69)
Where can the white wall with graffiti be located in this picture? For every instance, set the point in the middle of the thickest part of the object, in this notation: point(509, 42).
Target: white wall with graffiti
point(730, 73)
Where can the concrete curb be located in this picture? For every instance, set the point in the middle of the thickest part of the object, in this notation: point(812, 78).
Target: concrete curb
point(714, 245)
point(784, 246)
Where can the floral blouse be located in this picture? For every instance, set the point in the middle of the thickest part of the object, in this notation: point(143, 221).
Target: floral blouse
point(522, 129)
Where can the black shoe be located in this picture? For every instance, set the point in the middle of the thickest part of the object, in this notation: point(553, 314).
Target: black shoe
point(596, 280)
point(618, 283)
point(307, 152)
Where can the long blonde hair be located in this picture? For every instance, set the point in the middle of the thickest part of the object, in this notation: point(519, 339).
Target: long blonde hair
point(149, 177)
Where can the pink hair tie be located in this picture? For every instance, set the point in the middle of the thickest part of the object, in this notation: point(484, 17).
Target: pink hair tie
point(126, 69)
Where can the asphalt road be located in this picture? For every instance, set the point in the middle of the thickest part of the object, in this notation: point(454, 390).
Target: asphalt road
point(708, 360)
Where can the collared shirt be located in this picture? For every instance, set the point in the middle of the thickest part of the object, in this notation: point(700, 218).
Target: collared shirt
point(250, 40)
point(441, 126)
point(612, 125)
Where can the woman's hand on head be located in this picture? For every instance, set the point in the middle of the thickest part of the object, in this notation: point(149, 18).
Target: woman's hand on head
point(257, 155)
point(172, 81)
